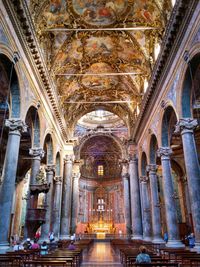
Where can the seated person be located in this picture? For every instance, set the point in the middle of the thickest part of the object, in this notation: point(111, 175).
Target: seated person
point(27, 244)
point(44, 249)
point(35, 245)
point(71, 246)
point(18, 246)
point(143, 257)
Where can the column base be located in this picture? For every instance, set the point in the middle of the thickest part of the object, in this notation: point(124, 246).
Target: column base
point(4, 246)
point(67, 237)
point(137, 237)
point(196, 248)
point(147, 238)
point(158, 240)
point(175, 244)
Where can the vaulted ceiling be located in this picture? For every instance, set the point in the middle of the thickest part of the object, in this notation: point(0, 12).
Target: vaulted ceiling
point(100, 53)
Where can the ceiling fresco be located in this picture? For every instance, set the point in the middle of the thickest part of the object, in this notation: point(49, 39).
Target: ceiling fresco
point(99, 52)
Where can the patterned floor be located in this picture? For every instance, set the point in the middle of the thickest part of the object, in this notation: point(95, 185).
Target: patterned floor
point(101, 254)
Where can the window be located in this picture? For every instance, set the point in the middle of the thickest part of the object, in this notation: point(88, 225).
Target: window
point(100, 170)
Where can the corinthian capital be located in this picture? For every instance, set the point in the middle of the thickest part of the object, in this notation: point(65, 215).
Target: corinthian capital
point(152, 168)
point(186, 125)
point(144, 179)
point(36, 152)
point(68, 158)
point(50, 168)
point(58, 179)
point(16, 125)
point(164, 152)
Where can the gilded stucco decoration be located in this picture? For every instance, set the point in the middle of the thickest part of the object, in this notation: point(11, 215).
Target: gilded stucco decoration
point(91, 62)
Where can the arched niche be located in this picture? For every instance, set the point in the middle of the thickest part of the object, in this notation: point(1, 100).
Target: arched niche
point(9, 86)
point(48, 149)
point(190, 91)
point(153, 149)
point(143, 163)
point(58, 164)
point(168, 126)
point(33, 122)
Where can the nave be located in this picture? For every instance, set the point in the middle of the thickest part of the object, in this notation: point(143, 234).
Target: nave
point(101, 254)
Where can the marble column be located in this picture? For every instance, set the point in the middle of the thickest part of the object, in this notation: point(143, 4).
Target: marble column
point(186, 126)
point(66, 199)
point(37, 154)
point(16, 127)
point(136, 217)
point(75, 201)
point(168, 191)
point(57, 206)
point(155, 205)
point(127, 204)
point(46, 227)
point(146, 210)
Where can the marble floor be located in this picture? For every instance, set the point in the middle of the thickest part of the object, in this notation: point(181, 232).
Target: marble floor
point(101, 254)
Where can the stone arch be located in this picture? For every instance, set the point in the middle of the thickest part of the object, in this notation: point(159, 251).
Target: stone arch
point(48, 148)
point(11, 89)
point(153, 149)
point(188, 88)
point(143, 163)
point(168, 125)
point(33, 121)
point(115, 138)
point(58, 165)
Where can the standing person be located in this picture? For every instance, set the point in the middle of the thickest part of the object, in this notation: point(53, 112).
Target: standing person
point(51, 236)
point(191, 239)
point(165, 237)
point(37, 235)
point(143, 257)
point(27, 244)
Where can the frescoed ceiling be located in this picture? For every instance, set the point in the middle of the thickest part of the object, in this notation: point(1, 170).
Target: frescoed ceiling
point(100, 52)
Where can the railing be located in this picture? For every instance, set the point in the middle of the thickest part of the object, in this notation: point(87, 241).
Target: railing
point(36, 215)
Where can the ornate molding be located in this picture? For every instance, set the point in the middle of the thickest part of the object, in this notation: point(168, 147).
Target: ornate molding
point(164, 152)
point(16, 125)
point(37, 152)
point(144, 179)
point(186, 125)
point(58, 179)
point(152, 168)
point(68, 158)
point(50, 168)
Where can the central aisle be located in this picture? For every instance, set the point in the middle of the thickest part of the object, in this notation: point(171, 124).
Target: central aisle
point(101, 254)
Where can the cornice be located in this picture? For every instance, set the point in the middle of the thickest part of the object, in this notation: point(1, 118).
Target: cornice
point(177, 26)
point(21, 20)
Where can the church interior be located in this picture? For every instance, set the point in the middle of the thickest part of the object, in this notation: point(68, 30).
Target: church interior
point(100, 121)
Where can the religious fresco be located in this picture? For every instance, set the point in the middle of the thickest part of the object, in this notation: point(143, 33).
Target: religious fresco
point(99, 12)
point(98, 82)
point(75, 42)
point(100, 150)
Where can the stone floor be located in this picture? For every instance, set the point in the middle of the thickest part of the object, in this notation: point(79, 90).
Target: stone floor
point(101, 254)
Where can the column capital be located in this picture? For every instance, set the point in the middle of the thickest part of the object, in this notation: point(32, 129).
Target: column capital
point(132, 158)
point(152, 168)
point(16, 125)
point(76, 175)
point(50, 168)
point(186, 125)
point(68, 158)
point(144, 179)
point(58, 179)
point(37, 152)
point(164, 152)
